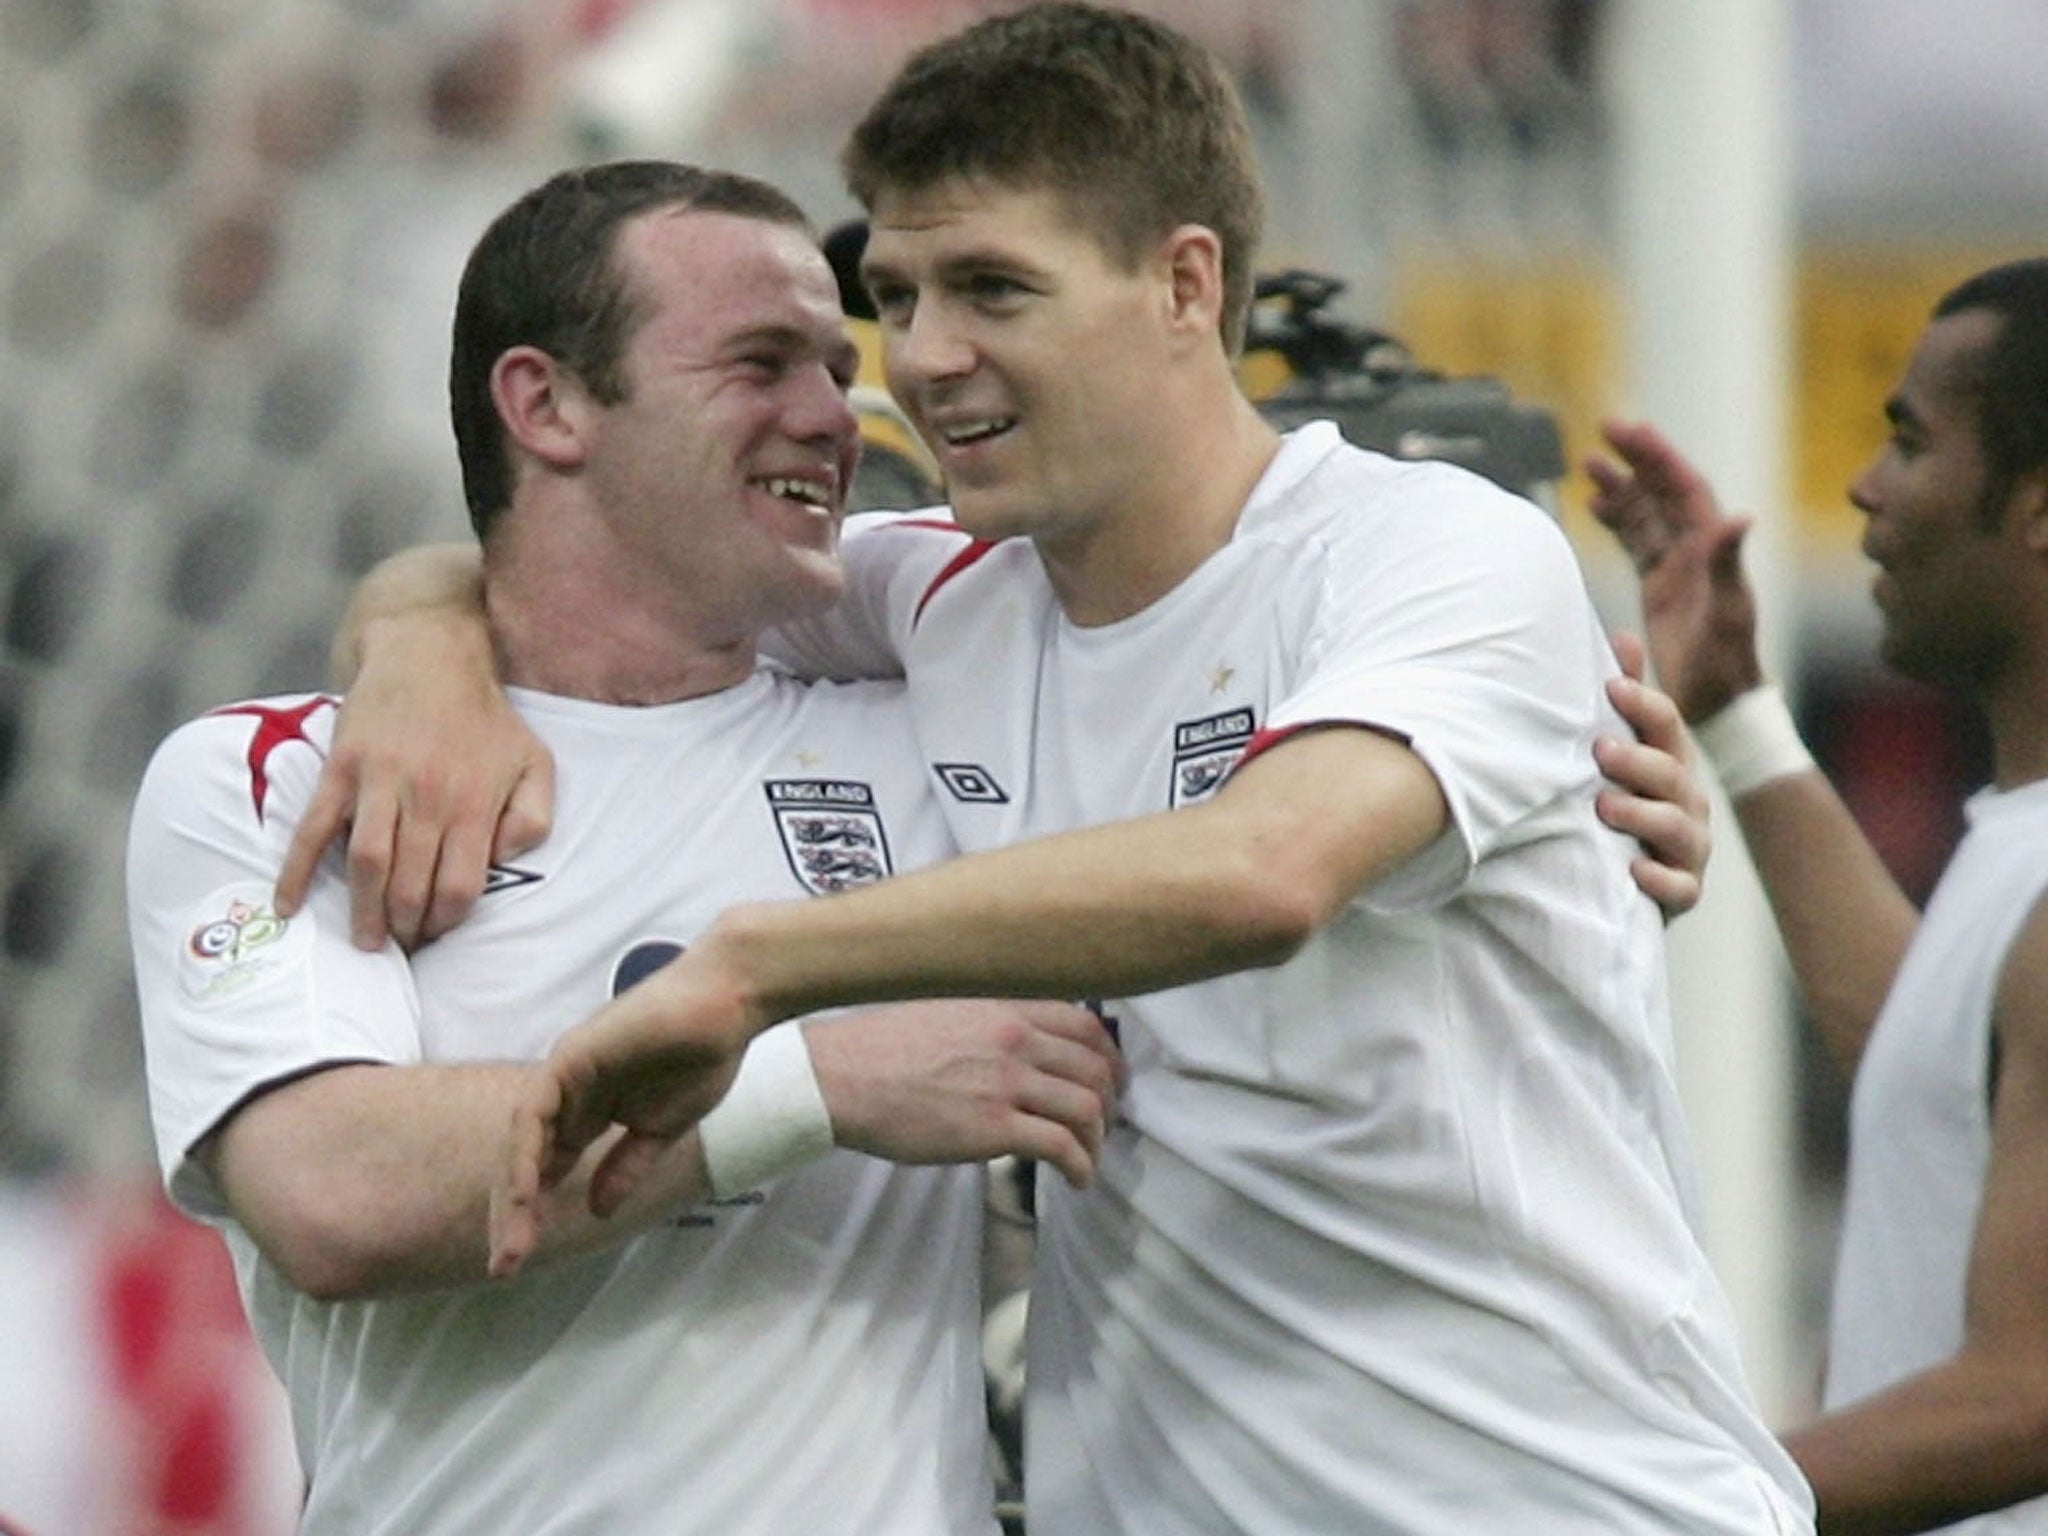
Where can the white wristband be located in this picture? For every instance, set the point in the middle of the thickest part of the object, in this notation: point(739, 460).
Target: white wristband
point(1752, 740)
point(771, 1121)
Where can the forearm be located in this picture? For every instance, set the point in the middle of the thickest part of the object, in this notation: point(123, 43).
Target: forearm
point(436, 588)
point(1107, 913)
point(363, 1180)
point(1238, 883)
point(1844, 920)
point(1969, 1436)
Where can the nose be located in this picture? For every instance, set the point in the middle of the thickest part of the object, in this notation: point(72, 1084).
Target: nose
point(821, 411)
point(926, 349)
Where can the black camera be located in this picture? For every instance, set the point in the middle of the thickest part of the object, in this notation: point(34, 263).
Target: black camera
point(1366, 382)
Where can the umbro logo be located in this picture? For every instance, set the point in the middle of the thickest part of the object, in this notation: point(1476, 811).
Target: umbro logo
point(971, 783)
point(503, 877)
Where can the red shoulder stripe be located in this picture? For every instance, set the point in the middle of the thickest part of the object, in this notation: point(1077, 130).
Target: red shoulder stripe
point(274, 728)
point(975, 549)
point(1263, 740)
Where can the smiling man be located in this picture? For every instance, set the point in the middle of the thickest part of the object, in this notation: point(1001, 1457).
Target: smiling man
point(649, 383)
point(1936, 1401)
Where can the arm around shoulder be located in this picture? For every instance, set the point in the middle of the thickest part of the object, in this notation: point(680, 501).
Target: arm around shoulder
point(432, 774)
point(430, 584)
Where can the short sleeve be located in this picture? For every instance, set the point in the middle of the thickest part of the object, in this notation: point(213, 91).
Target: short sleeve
point(1454, 616)
point(233, 997)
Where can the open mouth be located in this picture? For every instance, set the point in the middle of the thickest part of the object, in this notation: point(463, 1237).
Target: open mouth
point(981, 429)
point(804, 492)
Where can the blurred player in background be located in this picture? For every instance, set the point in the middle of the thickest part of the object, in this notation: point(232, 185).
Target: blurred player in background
point(1936, 1401)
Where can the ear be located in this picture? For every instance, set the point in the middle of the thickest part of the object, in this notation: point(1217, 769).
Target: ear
point(1192, 257)
point(545, 409)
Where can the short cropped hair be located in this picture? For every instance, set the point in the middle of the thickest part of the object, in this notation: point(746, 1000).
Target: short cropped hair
point(543, 275)
point(1136, 128)
point(2012, 376)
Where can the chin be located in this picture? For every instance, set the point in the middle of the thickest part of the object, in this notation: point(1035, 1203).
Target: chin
point(802, 583)
point(822, 579)
point(994, 519)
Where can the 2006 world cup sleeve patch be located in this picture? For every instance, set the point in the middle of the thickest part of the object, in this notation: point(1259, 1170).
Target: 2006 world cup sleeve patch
point(234, 939)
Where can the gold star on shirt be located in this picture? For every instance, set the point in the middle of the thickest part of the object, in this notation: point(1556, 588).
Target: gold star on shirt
point(807, 759)
point(1220, 678)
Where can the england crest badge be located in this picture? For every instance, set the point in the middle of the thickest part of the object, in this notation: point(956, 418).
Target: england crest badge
point(831, 832)
point(1204, 752)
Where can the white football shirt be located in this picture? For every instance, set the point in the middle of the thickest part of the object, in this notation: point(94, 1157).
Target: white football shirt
point(803, 1359)
point(1395, 1237)
point(1920, 1123)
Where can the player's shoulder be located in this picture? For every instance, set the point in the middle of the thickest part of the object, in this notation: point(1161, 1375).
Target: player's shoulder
point(937, 517)
point(898, 532)
point(284, 716)
point(1374, 506)
point(2000, 855)
point(923, 554)
point(1352, 478)
point(249, 738)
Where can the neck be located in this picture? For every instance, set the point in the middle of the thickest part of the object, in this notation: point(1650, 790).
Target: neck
point(2016, 709)
point(592, 651)
point(570, 617)
point(1120, 565)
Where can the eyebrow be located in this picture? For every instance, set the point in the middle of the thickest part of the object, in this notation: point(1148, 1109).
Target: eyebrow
point(771, 335)
point(979, 258)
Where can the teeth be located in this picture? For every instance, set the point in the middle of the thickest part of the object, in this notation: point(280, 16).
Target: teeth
point(811, 492)
point(974, 431)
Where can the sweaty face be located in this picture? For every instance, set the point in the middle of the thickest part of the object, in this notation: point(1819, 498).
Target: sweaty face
point(724, 470)
point(1944, 578)
point(1027, 358)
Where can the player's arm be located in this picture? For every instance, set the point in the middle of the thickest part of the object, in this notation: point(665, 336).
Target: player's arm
point(1972, 1433)
point(286, 1078)
point(1844, 920)
point(366, 1179)
point(432, 775)
point(1239, 882)
point(363, 1179)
